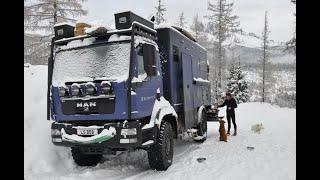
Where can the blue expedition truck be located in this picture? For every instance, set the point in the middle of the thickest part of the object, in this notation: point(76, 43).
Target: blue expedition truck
point(135, 87)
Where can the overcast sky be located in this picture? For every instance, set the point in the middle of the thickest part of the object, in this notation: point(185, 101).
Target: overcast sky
point(250, 12)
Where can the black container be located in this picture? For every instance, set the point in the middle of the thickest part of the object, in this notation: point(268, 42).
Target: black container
point(63, 31)
point(124, 20)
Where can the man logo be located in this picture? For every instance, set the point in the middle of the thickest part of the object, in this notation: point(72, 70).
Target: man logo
point(86, 105)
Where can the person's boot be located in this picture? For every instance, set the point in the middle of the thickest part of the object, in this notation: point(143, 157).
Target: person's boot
point(235, 133)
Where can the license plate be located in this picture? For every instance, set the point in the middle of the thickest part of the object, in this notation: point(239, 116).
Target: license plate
point(87, 131)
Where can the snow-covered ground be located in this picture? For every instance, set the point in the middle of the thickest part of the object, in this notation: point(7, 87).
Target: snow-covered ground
point(273, 157)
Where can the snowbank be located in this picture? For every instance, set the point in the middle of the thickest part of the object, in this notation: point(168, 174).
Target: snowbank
point(40, 155)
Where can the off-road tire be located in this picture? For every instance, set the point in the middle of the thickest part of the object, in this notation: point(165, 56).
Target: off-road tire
point(161, 153)
point(85, 159)
point(202, 127)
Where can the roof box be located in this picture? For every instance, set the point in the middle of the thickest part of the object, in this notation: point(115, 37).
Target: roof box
point(63, 30)
point(124, 20)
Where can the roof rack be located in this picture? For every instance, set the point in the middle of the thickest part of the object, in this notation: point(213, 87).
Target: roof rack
point(142, 30)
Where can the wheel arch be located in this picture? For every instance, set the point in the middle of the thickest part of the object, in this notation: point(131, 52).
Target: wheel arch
point(173, 122)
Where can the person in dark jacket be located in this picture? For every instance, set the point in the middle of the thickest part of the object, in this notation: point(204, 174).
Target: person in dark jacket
point(231, 104)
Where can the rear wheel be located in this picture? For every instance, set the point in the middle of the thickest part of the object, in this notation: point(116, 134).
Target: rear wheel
point(202, 128)
point(160, 154)
point(85, 159)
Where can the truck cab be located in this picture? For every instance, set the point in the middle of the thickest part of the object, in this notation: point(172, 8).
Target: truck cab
point(135, 87)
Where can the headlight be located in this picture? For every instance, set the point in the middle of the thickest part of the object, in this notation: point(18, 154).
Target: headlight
point(55, 132)
point(75, 89)
point(90, 88)
point(105, 87)
point(62, 91)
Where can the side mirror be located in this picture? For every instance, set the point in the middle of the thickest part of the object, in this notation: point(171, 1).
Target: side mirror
point(149, 59)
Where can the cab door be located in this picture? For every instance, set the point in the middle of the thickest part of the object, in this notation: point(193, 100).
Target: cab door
point(144, 86)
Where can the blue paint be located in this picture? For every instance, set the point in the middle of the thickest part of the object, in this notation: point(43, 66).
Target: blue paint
point(193, 59)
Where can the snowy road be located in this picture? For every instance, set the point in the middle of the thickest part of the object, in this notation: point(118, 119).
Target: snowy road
point(274, 156)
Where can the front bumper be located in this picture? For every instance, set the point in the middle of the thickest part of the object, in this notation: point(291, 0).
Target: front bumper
point(109, 136)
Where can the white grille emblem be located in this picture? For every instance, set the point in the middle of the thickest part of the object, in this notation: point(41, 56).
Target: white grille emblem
point(86, 105)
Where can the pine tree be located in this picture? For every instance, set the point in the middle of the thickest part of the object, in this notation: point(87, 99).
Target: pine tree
point(266, 72)
point(41, 16)
point(197, 26)
point(291, 44)
point(35, 49)
point(45, 13)
point(159, 18)
point(224, 25)
point(182, 20)
point(237, 84)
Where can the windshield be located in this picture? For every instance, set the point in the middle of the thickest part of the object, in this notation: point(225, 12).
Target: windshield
point(97, 62)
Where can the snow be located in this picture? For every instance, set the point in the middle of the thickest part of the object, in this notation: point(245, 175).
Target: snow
point(164, 107)
point(117, 37)
point(273, 156)
point(201, 80)
point(105, 82)
point(88, 41)
point(78, 43)
point(88, 127)
point(110, 62)
point(76, 85)
point(142, 40)
point(140, 78)
point(147, 143)
point(64, 23)
point(90, 84)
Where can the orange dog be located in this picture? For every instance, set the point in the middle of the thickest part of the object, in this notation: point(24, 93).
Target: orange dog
point(222, 130)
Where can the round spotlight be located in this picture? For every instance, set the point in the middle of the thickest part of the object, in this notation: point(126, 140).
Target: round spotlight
point(90, 88)
point(75, 89)
point(105, 87)
point(62, 91)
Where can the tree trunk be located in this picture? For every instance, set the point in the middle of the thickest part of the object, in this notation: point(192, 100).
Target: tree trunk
point(264, 61)
point(220, 46)
point(55, 18)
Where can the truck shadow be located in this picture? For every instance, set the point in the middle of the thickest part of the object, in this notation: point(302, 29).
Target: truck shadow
point(139, 159)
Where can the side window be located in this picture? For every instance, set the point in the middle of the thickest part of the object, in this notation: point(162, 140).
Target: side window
point(140, 65)
point(176, 53)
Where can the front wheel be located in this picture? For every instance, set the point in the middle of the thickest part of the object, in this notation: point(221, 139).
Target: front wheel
point(161, 153)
